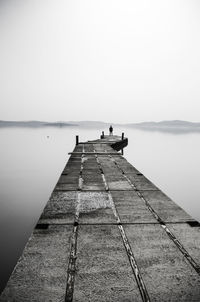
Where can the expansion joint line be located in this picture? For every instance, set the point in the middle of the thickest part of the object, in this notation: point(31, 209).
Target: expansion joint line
point(72, 265)
point(161, 222)
point(71, 272)
point(132, 260)
point(73, 251)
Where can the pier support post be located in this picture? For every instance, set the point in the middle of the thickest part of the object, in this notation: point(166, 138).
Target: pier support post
point(122, 136)
point(77, 140)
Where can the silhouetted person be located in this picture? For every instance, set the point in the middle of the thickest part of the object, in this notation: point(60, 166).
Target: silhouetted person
point(111, 130)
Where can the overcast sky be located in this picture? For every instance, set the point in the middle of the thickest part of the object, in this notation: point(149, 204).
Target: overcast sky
point(117, 61)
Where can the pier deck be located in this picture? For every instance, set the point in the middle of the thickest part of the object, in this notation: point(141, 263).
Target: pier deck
point(107, 233)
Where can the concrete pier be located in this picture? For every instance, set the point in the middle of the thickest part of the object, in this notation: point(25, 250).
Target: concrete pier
point(108, 234)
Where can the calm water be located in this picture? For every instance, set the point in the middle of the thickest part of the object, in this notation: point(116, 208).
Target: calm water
point(31, 162)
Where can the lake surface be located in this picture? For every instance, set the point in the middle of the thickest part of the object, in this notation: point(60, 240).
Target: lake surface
point(31, 160)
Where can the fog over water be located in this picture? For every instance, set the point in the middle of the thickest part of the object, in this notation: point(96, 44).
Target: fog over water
point(31, 162)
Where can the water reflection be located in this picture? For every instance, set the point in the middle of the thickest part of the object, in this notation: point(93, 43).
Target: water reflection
point(31, 161)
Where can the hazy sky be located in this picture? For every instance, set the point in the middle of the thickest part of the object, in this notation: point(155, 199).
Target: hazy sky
point(120, 61)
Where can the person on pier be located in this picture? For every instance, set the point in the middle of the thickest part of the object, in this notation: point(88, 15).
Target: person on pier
point(111, 130)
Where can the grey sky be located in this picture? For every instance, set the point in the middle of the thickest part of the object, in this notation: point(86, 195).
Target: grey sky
point(120, 61)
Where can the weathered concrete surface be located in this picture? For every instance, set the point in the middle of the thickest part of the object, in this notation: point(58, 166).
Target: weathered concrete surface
point(104, 273)
point(108, 233)
point(61, 207)
point(167, 274)
point(189, 236)
point(165, 207)
point(95, 208)
point(131, 208)
point(41, 273)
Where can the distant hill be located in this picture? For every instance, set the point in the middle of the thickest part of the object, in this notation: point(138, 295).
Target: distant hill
point(34, 124)
point(37, 124)
point(175, 126)
point(164, 124)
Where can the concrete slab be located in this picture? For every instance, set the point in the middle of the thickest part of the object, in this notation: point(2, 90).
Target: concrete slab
point(107, 161)
point(74, 170)
point(92, 177)
point(73, 164)
point(60, 208)
point(168, 210)
point(141, 182)
point(189, 237)
point(166, 272)
point(112, 170)
point(78, 148)
point(90, 172)
point(41, 272)
point(95, 207)
point(103, 148)
point(93, 187)
point(119, 185)
point(73, 167)
point(88, 148)
point(69, 179)
point(89, 159)
point(91, 166)
point(74, 159)
point(66, 187)
point(71, 172)
point(125, 165)
point(114, 176)
point(103, 270)
point(131, 208)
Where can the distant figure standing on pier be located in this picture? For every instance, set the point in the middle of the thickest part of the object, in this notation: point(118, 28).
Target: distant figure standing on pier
point(111, 130)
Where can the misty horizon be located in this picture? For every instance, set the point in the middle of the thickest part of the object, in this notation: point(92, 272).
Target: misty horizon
point(173, 127)
point(73, 122)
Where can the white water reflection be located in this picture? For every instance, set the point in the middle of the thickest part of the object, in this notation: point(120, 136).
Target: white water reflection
point(31, 161)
